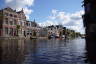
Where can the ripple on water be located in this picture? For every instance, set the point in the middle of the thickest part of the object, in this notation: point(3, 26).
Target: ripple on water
point(46, 51)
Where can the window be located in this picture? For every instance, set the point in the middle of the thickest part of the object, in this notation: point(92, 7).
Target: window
point(6, 20)
point(51, 28)
point(11, 22)
point(11, 31)
point(28, 31)
point(6, 14)
point(15, 16)
point(11, 15)
point(6, 30)
point(15, 23)
point(28, 24)
point(21, 23)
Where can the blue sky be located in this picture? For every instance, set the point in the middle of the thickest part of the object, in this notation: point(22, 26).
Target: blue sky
point(50, 12)
point(42, 8)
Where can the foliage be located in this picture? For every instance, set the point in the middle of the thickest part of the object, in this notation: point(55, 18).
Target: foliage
point(18, 27)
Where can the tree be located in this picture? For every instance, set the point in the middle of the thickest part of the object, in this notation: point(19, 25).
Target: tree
point(34, 33)
point(17, 28)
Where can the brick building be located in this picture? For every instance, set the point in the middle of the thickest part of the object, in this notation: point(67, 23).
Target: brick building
point(9, 20)
point(32, 28)
point(56, 30)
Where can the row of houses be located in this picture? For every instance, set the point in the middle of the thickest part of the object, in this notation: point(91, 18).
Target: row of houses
point(13, 23)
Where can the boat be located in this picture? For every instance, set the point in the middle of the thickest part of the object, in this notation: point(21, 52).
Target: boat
point(82, 36)
point(33, 37)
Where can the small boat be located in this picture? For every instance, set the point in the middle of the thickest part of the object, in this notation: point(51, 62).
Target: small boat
point(82, 36)
point(32, 37)
point(57, 36)
point(51, 36)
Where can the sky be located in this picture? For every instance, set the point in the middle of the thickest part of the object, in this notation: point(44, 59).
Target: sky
point(50, 12)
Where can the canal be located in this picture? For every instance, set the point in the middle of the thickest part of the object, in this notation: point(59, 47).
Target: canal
point(43, 51)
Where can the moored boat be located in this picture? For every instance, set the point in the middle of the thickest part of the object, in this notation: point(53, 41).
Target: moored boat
point(32, 37)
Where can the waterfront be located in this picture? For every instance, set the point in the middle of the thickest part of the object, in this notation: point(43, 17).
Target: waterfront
point(43, 51)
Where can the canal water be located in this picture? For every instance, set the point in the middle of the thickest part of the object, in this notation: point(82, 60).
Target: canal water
point(43, 51)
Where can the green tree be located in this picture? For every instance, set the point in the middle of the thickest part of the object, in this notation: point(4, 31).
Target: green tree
point(17, 28)
point(34, 33)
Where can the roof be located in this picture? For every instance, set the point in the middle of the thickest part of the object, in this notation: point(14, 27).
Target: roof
point(9, 9)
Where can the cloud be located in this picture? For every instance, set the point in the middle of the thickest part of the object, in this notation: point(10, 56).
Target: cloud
point(48, 23)
point(54, 13)
point(69, 20)
point(19, 4)
point(8, 1)
point(27, 12)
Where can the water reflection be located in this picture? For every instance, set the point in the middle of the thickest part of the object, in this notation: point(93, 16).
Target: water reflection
point(42, 51)
point(12, 51)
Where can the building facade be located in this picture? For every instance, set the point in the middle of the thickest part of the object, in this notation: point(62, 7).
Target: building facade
point(32, 29)
point(43, 32)
point(56, 30)
point(14, 23)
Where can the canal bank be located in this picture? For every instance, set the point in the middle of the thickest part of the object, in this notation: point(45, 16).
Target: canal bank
point(22, 38)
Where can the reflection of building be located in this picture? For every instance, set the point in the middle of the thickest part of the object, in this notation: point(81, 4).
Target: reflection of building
point(9, 19)
point(13, 51)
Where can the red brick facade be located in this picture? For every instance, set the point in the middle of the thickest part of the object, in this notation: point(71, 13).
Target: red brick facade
point(9, 21)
